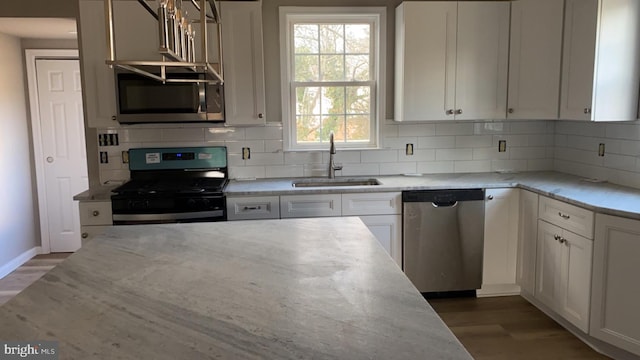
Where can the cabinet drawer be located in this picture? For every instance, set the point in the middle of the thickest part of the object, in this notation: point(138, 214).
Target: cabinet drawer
point(259, 207)
point(570, 217)
point(371, 204)
point(300, 206)
point(89, 232)
point(95, 213)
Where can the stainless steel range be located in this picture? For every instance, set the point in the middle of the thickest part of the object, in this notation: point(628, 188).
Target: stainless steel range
point(172, 185)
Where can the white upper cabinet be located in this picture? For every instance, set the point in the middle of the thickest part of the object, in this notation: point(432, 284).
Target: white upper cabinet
point(451, 60)
point(601, 72)
point(99, 82)
point(535, 59)
point(243, 62)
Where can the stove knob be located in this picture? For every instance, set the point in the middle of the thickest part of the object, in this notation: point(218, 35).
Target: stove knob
point(191, 202)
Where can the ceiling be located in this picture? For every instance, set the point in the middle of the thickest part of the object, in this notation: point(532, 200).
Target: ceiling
point(39, 28)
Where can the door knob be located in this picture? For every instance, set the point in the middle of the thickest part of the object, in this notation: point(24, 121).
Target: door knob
point(49, 159)
point(490, 197)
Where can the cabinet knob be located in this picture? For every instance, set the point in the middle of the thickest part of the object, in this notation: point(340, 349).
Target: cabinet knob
point(490, 197)
point(113, 118)
point(450, 112)
point(587, 110)
point(459, 111)
point(511, 110)
point(96, 213)
point(564, 216)
point(556, 237)
point(85, 235)
point(260, 115)
point(562, 240)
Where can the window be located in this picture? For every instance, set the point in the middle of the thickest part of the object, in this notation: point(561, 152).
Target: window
point(332, 76)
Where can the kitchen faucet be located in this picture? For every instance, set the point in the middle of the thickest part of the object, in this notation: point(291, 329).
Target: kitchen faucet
point(332, 151)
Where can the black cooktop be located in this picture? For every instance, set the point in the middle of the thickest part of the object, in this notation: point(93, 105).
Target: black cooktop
point(173, 186)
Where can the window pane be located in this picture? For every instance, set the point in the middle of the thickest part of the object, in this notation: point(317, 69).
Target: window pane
point(308, 101)
point(306, 39)
point(357, 67)
point(358, 128)
point(307, 68)
point(308, 128)
point(333, 123)
point(358, 100)
point(332, 38)
point(332, 67)
point(333, 100)
point(357, 38)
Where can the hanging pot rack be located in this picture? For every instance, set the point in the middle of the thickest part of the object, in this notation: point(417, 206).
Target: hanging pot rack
point(170, 60)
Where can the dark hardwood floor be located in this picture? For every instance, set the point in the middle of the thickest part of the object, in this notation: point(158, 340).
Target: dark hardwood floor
point(499, 328)
point(509, 328)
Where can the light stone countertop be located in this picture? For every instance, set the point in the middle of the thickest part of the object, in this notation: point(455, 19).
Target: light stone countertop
point(273, 289)
point(603, 198)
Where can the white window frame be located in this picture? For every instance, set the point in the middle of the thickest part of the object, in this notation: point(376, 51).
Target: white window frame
point(289, 15)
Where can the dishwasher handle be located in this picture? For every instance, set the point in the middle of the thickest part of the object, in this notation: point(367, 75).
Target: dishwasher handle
point(444, 204)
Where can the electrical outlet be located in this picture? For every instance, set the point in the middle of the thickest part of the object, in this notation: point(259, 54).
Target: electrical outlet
point(409, 149)
point(246, 153)
point(104, 157)
point(125, 157)
point(502, 145)
point(601, 149)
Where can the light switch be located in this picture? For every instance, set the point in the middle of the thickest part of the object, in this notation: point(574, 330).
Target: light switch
point(502, 145)
point(246, 153)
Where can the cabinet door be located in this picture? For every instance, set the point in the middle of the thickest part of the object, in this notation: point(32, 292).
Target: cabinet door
point(548, 265)
point(579, 59)
point(372, 203)
point(527, 236)
point(575, 279)
point(535, 59)
point(99, 82)
point(254, 207)
point(89, 232)
point(500, 242)
point(615, 307)
point(482, 60)
point(425, 60)
point(243, 62)
point(387, 229)
point(95, 213)
point(303, 206)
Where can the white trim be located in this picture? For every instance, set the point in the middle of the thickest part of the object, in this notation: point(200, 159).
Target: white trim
point(31, 55)
point(498, 290)
point(376, 16)
point(9, 267)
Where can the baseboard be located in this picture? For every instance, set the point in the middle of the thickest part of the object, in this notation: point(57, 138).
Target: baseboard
point(9, 267)
point(498, 290)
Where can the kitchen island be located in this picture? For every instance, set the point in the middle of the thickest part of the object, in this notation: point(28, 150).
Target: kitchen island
point(319, 288)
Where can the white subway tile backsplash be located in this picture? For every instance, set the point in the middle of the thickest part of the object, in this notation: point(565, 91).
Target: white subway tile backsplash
point(281, 171)
point(293, 158)
point(397, 168)
point(540, 164)
point(435, 167)
point(579, 156)
point(454, 129)
point(272, 145)
point(399, 143)
point(508, 165)
point(264, 133)
point(473, 141)
point(265, 159)
point(143, 135)
point(490, 153)
point(524, 153)
point(379, 156)
point(472, 166)
point(454, 154)
point(343, 156)
point(490, 128)
point(580, 128)
point(416, 130)
point(389, 129)
point(360, 169)
point(183, 134)
point(226, 133)
point(247, 172)
point(623, 131)
point(437, 142)
point(235, 146)
point(418, 155)
point(620, 162)
point(529, 127)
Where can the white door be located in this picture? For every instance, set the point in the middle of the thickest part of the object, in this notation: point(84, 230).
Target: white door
point(63, 149)
point(576, 279)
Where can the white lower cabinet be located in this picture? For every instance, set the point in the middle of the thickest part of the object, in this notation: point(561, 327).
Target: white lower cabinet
point(563, 273)
point(388, 231)
point(304, 206)
point(89, 232)
point(95, 217)
point(253, 207)
point(500, 242)
point(527, 237)
point(615, 307)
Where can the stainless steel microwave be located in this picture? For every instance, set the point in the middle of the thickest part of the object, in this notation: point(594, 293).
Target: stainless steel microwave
point(144, 100)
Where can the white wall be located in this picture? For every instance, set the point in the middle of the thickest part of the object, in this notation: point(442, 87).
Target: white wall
point(17, 213)
point(576, 151)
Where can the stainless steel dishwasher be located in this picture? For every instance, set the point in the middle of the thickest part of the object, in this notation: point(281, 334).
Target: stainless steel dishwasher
point(443, 237)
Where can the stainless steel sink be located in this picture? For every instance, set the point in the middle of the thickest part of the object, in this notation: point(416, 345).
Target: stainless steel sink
point(335, 182)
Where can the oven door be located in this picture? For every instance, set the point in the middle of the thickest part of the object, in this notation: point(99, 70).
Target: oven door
point(144, 100)
point(129, 210)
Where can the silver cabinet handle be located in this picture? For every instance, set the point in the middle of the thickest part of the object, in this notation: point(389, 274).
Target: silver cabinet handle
point(562, 240)
point(490, 197)
point(556, 237)
point(252, 208)
point(96, 213)
point(260, 115)
point(113, 118)
point(564, 216)
point(511, 110)
point(459, 111)
point(450, 112)
point(587, 110)
point(85, 235)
